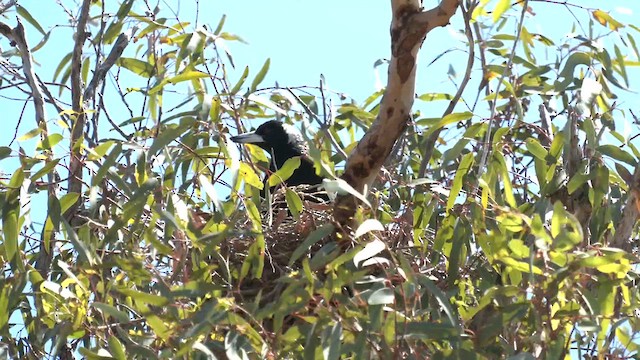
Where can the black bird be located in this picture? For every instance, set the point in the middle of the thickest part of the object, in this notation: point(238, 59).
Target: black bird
point(283, 142)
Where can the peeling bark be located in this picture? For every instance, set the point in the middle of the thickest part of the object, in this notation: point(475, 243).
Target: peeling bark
point(409, 27)
point(630, 216)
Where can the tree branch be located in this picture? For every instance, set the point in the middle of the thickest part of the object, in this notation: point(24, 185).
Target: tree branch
point(5, 7)
point(77, 130)
point(100, 73)
point(18, 37)
point(630, 214)
point(430, 143)
point(507, 69)
point(409, 27)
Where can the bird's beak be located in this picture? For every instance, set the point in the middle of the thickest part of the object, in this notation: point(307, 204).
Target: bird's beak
point(248, 138)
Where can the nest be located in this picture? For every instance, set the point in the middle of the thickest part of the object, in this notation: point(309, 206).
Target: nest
point(284, 230)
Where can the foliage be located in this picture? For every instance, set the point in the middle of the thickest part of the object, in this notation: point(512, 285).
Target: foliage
point(499, 242)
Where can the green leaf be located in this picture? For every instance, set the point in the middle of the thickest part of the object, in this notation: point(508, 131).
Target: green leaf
point(220, 25)
point(166, 136)
point(113, 31)
point(185, 76)
point(536, 149)
point(30, 134)
point(519, 249)
point(143, 297)
point(41, 43)
point(617, 153)
point(449, 119)
point(427, 330)
point(249, 176)
point(506, 180)
point(620, 59)
point(67, 200)
point(86, 66)
point(370, 250)
point(382, 296)
point(442, 299)
point(63, 79)
point(620, 269)
point(136, 66)
point(11, 215)
point(107, 164)
point(294, 203)
point(435, 96)
point(65, 60)
point(342, 187)
point(368, 226)
point(117, 349)
point(109, 310)
point(565, 229)
point(575, 59)
point(317, 235)
point(30, 19)
point(577, 181)
point(332, 342)
point(260, 76)
point(99, 151)
point(45, 170)
point(624, 173)
point(157, 24)
point(285, 171)
point(557, 145)
point(49, 142)
point(463, 169)
point(267, 103)
point(124, 9)
point(509, 221)
point(521, 266)
point(84, 253)
point(5, 152)
point(240, 82)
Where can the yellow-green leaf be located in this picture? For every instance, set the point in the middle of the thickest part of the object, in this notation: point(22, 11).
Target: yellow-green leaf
point(294, 203)
point(260, 76)
point(536, 149)
point(501, 7)
point(463, 169)
point(136, 66)
point(285, 171)
point(606, 20)
point(185, 76)
point(249, 176)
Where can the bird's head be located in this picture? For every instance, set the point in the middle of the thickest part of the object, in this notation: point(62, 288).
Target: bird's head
point(283, 142)
point(276, 138)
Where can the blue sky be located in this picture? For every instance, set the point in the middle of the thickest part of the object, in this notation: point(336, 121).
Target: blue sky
point(339, 39)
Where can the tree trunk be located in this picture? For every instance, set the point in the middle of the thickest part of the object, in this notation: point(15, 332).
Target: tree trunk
point(409, 27)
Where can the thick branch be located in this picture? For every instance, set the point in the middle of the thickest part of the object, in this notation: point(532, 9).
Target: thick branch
point(409, 27)
point(19, 37)
point(101, 72)
point(77, 131)
point(630, 214)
